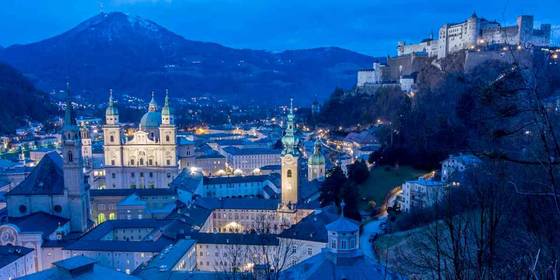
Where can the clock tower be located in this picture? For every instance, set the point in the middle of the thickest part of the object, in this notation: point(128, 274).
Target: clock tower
point(290, 156)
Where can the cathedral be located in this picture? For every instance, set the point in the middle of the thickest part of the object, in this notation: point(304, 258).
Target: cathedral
point(148, 158)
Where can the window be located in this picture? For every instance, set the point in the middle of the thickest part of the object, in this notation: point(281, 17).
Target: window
point(111, 138)
point(100, 218)
point(113, 175)
point(141, 161)
point(309, 251)
point(132, 162)
point(167, 138)
point(112, 162)
point(168, 162)
point(151, 174)
point(141, 174)
point(57, 208)
point(132, 174)
point(70, 156)
point(22, 208)
point(150, 162)
point(289, 173)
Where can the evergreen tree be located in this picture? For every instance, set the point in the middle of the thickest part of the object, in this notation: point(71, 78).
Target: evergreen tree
point(358, 172)
point(331, 188)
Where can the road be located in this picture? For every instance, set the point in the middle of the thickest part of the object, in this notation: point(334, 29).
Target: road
point(370, 229)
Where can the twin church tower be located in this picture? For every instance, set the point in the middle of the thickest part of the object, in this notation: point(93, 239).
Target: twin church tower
point(149, 158)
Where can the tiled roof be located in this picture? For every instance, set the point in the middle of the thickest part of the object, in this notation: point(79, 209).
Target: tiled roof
point(9, 254)
point(45, 179)
point(168, 258)
point(343, 224)
point(88, 268)
point(38, 222)
point(312, 227)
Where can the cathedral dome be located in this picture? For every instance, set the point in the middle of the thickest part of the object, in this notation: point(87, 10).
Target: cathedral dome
point(150, 120)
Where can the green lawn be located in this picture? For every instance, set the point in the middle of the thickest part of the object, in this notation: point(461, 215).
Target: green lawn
point(382, 179)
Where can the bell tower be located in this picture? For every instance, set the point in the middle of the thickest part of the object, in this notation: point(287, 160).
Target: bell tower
point(290, 157)
point(74, 182)
point(316, 163)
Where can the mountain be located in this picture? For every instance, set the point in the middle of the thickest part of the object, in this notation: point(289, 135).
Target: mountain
point(134, 55)
point(21, 101)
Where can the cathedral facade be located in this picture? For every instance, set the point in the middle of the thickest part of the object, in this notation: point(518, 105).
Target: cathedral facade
point(148, 158)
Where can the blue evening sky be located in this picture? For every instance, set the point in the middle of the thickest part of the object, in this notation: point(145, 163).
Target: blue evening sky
point(368, 26)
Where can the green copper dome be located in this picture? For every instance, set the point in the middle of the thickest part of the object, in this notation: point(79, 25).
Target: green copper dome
point(150, 120)
point(317, 157)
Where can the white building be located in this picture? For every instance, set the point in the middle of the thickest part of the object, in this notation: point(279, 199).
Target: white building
point(421, 193)
point(455, 165)
point(149, 158)
point(477, 32)
point(250, 160)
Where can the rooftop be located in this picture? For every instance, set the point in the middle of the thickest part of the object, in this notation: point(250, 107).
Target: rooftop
point(45, 179)
point(81, 268)
point(9, 254)
point(250, 151)
point(38, 222)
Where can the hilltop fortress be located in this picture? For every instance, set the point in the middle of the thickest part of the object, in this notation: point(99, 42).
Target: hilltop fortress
point(476, 31)
point(472, 42)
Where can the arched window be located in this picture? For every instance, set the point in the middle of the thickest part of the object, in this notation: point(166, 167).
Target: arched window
point(111, 138)
point(141, 161)
point(289, 173)
point(70, 156)
point(112, 216)
point(167, 138)
point(101, 218)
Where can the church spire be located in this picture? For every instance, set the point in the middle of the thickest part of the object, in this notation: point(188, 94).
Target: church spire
point(111, 108)
point(152, 107)
point(289, 140)
point(69, 118)
point(167, 110)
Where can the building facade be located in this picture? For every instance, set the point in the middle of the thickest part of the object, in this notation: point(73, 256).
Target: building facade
point(149, 158)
